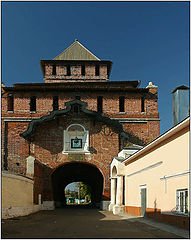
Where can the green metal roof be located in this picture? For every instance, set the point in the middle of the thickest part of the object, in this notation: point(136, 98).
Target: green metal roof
point(76, 51)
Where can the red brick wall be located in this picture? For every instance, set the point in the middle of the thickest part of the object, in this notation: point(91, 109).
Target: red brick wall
point(110, 103)
point(176, 220)
point(47, 145)
point(17, 147)
point(61, 73)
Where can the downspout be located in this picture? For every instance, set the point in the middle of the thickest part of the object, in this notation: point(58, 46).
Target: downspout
point(5, 147)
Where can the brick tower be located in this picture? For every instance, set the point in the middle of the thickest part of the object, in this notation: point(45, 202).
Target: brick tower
point(70, 127)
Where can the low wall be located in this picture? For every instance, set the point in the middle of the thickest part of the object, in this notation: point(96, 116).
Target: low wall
point(17, 195)
point(155, 214)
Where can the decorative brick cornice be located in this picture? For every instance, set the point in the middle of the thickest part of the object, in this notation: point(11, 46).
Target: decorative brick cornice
point(96, 115)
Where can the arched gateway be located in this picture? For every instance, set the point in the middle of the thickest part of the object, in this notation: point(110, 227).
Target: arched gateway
point(74, 118)
point(74, 172)
point(73, 144)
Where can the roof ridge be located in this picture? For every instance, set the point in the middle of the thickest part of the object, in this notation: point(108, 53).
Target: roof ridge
point(72, 45)
point(87, 50)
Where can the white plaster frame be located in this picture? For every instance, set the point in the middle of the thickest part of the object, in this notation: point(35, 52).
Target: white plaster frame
point(76, 151)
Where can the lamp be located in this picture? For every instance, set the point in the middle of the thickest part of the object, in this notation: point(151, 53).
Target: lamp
point(76, 140)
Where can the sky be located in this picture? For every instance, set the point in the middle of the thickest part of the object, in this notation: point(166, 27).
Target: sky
point(146, 41)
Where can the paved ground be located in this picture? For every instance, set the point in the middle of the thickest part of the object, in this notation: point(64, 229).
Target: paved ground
point(80, 223)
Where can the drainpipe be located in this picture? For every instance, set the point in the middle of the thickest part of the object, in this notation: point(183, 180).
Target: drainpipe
point(5, 147)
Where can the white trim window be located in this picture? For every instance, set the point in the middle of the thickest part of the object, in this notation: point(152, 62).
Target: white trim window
point(76, 139)
point(182, 201)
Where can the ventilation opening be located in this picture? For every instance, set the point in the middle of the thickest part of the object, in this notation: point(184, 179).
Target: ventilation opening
point(108, 71)
point(78, 97)
point(10, 106)
point(100, 104)
point(142, 104)
point(33, 104)
point(121, 104)
point(68, 70)
point(78, 193)
point(54, 70)
point(55, 103)
point(83, 70)
point(97, 70)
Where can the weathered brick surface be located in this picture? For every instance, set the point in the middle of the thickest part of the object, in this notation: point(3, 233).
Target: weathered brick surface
point(47, 141)
point(61, 73)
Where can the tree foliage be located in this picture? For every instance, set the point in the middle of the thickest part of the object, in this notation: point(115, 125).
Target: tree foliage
point(85, 191)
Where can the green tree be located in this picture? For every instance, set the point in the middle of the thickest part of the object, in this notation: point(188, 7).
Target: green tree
point(73, 194)
point(85, 191)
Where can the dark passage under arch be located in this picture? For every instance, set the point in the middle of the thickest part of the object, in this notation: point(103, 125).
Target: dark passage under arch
point(77, 172)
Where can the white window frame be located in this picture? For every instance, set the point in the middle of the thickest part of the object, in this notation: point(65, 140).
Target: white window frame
point(178, 201)
point(85, 141)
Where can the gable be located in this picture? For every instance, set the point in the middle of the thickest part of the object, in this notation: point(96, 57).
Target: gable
point(76, 51)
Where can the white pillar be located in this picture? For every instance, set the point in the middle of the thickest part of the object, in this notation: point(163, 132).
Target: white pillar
point(30, 165)
point(119, 208)
point(119, 190)
point(113, 193)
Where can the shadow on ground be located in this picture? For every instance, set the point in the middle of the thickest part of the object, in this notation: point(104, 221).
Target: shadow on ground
point(79, 222)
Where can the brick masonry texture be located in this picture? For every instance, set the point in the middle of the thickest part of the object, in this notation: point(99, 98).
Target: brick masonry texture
point(47, 141)
point(61, 73)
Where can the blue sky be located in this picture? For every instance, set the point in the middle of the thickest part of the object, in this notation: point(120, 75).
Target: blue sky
point(147, 41)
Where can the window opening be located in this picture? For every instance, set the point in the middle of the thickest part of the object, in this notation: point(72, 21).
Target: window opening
point(100, 104)
point(108, 71)
point(182, 201)
point(142, 104)
point(68, 70)
point(97, 70)
point(33, 104)
point(10, 106)
point(78, 193)
point(76, 108)
point(54, 70)
point(55, 103)
point(121, 104)
point(83, 70)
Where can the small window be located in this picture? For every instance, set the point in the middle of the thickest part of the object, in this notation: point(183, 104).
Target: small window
point(33, 104)
point(83, 70)
point(97, 70)
point(54, 70)
point(142, 104)
point(121, 104)
point(10, 103)
point(55, 103)
point(76, 108)
point(78, 97)
point(107, 70)
point(100, 104)
point(68, 70)
point(182, 201)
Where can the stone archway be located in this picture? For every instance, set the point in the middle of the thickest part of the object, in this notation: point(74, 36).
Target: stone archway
point(75, 172)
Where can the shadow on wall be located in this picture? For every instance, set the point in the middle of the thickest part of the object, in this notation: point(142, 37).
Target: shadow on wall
point(42, 182)
point(49, 135)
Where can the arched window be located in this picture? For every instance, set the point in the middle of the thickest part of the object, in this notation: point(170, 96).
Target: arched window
point(76, 139)
point(114, 172)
